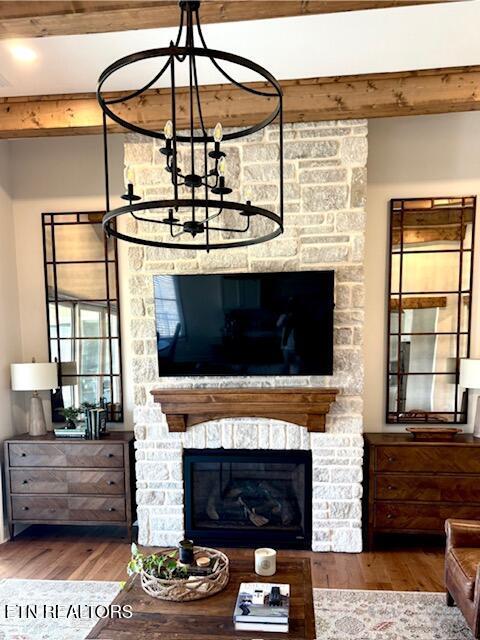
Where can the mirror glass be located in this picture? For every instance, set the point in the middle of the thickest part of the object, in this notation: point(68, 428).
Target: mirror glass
point(83, 313)
point(431, 245)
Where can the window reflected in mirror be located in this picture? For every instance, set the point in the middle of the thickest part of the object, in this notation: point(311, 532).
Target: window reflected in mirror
point(81, 280)
point(431, 247)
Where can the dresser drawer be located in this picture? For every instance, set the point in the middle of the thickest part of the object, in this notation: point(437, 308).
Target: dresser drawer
point(65, 455)
point(39, 508)
point(78, 509)
point(66, 481)
point(428, 458)
point(427, 488)
point(86, 508)
point(428, 517)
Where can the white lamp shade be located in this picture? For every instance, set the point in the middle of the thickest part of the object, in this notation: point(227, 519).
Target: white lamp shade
point(470, 373)
point(34, 376)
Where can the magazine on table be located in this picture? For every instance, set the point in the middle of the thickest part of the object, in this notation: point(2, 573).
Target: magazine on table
point(262, 606)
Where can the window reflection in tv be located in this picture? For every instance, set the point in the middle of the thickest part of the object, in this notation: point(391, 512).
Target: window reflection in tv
point(245, 324)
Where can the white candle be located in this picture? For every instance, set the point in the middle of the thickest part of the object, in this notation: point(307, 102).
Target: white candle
point(265, 561)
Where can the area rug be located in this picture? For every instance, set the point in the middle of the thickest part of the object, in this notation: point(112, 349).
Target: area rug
point(386, 615)
point(64, 609)
point(340, 614)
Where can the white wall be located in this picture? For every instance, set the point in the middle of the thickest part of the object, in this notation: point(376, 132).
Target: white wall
point(10, 342)
point(52, 174)
point(412, 157)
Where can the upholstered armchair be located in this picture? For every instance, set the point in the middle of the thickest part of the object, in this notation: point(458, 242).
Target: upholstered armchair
point(462, 569)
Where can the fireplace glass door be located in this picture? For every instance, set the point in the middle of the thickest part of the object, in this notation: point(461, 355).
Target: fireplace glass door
point(248, 498)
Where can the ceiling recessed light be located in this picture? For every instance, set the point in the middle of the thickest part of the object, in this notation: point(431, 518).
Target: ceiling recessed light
point(22, 53)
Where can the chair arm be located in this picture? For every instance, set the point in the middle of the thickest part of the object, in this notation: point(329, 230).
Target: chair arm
point(462, 533)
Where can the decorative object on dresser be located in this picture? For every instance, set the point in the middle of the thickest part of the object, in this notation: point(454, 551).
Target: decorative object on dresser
point(431, 269)
point(462, 570)
point(35, 376)
point(433, 434)
point(211, 618)
point(95, 422)
point(413, 487)
point(470, 379)
point(71, 415)
point(51, 480)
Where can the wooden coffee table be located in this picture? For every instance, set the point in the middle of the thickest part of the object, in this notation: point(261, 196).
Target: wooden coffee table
point(211, 617)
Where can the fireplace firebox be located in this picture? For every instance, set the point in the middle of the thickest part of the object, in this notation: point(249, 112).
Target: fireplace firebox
point(248, 498)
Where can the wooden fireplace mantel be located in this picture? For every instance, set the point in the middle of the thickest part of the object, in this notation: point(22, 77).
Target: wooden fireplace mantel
point(306, 407)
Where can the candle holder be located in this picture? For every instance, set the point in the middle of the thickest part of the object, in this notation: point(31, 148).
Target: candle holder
point(265, 561)
point(185, 551)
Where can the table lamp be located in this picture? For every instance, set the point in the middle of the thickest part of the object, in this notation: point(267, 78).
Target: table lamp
point(35, 376)
point(470, 379)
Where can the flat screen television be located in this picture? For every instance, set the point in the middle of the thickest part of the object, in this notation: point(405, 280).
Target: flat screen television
point(245, 324)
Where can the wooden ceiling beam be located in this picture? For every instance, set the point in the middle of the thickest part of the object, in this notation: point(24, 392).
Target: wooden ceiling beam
point(309, 100)
point(28, 19)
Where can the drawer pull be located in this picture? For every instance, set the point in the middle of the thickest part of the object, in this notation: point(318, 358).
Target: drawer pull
point(24, 455)
point(110, 455)
point(25, 508)
point(25, 482)
point(111, 508)
point(52, 510)
point(110, 482)
point(391, 459)
point(389, 516)
point(390, 487)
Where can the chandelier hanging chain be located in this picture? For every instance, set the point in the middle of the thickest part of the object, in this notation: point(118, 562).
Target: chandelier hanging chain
point(209, 171)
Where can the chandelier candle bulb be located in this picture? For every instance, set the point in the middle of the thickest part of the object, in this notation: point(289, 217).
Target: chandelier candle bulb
point(222, 165)
point(218, 133)
point(168, 130)
point(265, 561)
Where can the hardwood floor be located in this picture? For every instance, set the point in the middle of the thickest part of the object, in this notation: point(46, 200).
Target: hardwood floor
point(75, 553)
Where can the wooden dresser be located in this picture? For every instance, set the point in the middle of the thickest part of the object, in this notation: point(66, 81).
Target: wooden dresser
point(53, 480)
point(413, 487)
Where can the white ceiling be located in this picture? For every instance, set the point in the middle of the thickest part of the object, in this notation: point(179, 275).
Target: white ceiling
point(405, 38)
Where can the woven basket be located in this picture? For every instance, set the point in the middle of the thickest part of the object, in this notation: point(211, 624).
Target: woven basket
point(194, 587)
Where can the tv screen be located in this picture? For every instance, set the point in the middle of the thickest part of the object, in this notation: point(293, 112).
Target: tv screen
point(245, 324)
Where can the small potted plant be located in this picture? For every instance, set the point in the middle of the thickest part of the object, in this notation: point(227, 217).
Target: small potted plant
point(156, 565)
point(71, 415)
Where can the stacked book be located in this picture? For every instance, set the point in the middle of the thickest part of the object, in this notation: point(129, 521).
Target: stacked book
point(79, 432)
point(262, 606)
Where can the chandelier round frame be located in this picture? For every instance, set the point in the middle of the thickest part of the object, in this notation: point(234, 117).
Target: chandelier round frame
point(212, 181)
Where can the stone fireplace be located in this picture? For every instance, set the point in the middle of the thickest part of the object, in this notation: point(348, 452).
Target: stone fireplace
point(325, 189)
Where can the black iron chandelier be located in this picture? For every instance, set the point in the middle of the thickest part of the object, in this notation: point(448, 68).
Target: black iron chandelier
point(198, 215)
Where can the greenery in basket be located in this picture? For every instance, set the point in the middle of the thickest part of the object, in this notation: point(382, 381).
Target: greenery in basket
point(162, 566)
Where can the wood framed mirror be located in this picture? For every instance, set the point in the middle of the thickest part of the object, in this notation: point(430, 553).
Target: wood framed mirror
point(429, 310)
point(83, 312)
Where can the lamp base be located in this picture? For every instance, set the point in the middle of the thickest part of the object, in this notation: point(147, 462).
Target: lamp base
point(36, 423)
point(476, 425)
